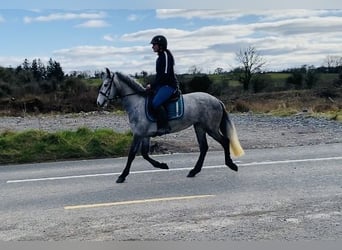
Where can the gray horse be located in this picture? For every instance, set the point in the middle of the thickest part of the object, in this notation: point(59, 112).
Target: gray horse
point(205, 112)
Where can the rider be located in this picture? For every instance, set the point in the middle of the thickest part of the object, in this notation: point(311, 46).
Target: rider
point(165, 83)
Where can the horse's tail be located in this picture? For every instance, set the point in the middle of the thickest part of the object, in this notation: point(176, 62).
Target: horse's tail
point(228, 130)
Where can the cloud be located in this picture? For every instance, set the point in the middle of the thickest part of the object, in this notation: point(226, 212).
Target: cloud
point(231, 14)
point(198, 13)
point(301, 26)
point(132, 18)
point(65, 16)
point(273, 15)
point(93, 24)
point(285, 39)
point(127, 59)
point(109, 38)
point(2, 19)
point(146, 35)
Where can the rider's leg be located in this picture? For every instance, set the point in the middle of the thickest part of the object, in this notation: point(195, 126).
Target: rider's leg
point(162, 120)
point(162, 95)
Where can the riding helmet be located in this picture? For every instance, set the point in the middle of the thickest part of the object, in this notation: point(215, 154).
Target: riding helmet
point(160, 40)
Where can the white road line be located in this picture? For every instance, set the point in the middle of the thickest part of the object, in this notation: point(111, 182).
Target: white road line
point(174, 169)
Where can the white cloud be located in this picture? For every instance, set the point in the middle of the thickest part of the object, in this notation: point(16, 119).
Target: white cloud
point(65, 16)
point(2, 19)
point(288, 14)
point(285, 38)
point(224, 14)
point(283, 43)
point(146, 35)
point(132, 18)
point(302, 26)
point(127, 59)
point(10, 61)
point(109, 38)
point(233, 14)
point(93, 24)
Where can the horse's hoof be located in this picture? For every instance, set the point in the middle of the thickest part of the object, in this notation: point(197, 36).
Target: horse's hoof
point(163, 166)
point(191, 174)
point(120, 179)
point(233, 166)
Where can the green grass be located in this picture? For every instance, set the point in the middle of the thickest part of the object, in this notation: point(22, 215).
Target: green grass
point(93, 82)
point(38, 146)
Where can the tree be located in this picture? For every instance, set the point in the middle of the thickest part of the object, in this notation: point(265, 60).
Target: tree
point(35, 70)
point(26, 65)
point(333, 62)
point(54, 71)
point(41, 69)
point(194, 70)
point(252, 62)
point(218, 71)
point(311, 77)
point(297, 77)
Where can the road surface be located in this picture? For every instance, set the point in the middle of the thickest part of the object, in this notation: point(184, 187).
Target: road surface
point(289, 193)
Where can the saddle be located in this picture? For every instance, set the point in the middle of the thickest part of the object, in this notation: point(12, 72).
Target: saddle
point(174, 107)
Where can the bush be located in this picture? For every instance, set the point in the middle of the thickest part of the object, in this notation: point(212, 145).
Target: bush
point(338, 82)
point(241, 106)
point(199, 84)
point(73, 86)
point(5, 89)
point(296, 79)
point(260, 82)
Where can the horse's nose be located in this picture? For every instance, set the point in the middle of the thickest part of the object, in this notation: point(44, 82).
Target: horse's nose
point(98, 103)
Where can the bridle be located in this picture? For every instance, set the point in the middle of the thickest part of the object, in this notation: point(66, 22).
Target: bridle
point(107, 92)
point(117, 96)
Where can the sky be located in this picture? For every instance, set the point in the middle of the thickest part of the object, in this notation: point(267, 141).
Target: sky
point(90, 39)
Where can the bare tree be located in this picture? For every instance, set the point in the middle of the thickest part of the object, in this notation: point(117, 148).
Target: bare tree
point(194, 70)
point(333, 61)
point(218, 71)
point(252, 63)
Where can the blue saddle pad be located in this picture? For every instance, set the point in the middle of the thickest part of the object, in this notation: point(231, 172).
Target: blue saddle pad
point(175, 109)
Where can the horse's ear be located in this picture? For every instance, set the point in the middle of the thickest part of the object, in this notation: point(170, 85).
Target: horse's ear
point(108, 72)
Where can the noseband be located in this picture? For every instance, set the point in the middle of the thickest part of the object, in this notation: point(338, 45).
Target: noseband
point(107, 92)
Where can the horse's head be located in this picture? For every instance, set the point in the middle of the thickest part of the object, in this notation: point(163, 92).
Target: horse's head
point(107, 89)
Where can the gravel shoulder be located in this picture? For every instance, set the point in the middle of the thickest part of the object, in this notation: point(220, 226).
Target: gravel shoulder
point(254, 130)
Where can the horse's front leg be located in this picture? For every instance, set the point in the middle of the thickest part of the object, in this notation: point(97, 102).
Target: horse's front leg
point(131, 155)
point(145, 148)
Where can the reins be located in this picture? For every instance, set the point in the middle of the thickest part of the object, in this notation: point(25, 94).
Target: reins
point(120, 96)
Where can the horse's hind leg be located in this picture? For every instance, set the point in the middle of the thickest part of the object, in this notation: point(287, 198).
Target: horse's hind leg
point(145, 148)
point(224, 141)
point(203, 144)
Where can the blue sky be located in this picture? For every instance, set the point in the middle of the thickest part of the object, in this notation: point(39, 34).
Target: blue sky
point(95, 38)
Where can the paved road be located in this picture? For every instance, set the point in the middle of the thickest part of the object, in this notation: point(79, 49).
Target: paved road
point(292, 193)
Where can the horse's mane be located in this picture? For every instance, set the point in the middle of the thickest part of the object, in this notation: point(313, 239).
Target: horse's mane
point(131, 82)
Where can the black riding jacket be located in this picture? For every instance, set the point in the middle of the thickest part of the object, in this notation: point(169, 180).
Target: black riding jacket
point(165, 71)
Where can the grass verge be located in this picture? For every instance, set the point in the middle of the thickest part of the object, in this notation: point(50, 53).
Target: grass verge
point(38, 146)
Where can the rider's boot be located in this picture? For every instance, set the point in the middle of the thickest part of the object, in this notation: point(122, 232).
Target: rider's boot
point(162, 121)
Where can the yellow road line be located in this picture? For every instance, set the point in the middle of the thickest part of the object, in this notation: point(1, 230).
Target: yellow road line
point(121, 203)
